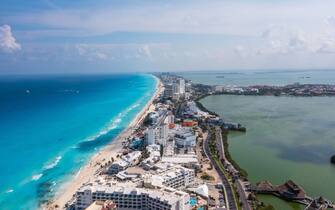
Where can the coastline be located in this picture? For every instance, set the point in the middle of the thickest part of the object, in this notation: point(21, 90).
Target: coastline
point(91, 169)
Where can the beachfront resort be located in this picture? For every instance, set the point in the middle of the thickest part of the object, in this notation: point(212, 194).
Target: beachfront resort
point(173, 156)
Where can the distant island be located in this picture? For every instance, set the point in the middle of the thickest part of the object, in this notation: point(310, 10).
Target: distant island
point(295, 89)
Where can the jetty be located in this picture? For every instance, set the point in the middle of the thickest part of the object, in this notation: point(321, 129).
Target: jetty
point(291, 191)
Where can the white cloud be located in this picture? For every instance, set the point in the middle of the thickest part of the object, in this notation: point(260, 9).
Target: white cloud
point(92, 52)
point(146, 51)
point(331, 20)
point(240, 50)
point(327, 46)
point(218, 34)
point(202, 17)
point(280, 39)
point(7, 40)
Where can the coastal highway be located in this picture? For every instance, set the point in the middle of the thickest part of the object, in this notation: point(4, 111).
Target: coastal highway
point(229, 191)
point(238, 183)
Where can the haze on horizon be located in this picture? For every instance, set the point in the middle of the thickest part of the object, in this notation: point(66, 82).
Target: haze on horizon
point(60, 36)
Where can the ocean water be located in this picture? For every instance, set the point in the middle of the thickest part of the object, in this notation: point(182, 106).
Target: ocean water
point(245, 78)
point(286, 138)
point(51, 125)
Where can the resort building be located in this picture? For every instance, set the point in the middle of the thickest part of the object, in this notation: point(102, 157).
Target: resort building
point(178, 89)
point(132, 158)
point(176, 177)
point(169, 119)
point(151, 136)
point(181, 86)
point(125, 175)
point(184, 137)
point(168, 91)
point(186, 160)
point(192, 110)
point(126, 161)
point(157, 135)
point(154, 152)
point(118, 166)
point(132, 198)
point(102, 205)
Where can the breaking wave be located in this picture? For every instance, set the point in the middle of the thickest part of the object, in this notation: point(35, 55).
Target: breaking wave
point(36, 177)
point(114, 123)
point(53, 163)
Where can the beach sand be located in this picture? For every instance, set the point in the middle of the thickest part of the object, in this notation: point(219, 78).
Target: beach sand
point(89, 172)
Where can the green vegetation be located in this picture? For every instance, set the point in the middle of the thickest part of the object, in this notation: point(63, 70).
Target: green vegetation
point(243, 172)
point(207, 177)
point(147, 120)
point(204, 109)
point(267, 207)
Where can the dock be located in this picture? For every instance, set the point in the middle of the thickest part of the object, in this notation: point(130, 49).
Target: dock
point(291, 191)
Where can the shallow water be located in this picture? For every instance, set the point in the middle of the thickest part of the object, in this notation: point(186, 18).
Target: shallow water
point(51, 125)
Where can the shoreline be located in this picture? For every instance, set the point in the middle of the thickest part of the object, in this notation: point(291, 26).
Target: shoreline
point(90, 170)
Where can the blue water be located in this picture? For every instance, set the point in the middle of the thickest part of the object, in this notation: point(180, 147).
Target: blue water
point(51, 125)
point(245, 78)
point(193, 201)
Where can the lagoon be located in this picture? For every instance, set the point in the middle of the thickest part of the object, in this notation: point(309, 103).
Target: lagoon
point(286, 138)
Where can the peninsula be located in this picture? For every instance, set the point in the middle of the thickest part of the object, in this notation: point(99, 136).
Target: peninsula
point(174, 155)
point(296, 89)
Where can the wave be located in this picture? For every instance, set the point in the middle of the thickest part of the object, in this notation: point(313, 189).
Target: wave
point(9, 190)
point(53, 163)
point(36, 177)
point(114, 123)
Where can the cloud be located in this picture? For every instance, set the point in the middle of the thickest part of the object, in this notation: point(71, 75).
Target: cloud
point(327, 46)
point(146, 51)
point(185, 35)
point(7, 40)
point(200, 17)
point(298, 42)
point(282, 39)
point(91, 52)
point(331, 20)
point(240, 50)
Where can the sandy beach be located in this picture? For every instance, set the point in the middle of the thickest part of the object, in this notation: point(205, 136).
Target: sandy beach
point(90, 171)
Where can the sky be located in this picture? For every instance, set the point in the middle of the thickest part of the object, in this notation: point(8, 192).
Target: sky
point(86, 36)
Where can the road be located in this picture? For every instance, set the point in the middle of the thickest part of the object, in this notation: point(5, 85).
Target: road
point(238, 183)
point(228, 188)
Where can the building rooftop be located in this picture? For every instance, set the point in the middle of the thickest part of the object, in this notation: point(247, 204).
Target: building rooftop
point(167, 194)
point(180, 159)
point(102, 205)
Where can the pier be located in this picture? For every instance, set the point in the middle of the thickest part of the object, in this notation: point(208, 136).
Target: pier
point(291, 191)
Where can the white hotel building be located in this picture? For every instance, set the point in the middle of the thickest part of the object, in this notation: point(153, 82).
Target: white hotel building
point(132, 198)
point(176, 177)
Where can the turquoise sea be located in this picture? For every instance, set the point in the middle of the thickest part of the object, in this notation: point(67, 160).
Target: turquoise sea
point(51, 125)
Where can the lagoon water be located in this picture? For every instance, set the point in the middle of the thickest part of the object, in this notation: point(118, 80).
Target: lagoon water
point(286, 138)
point(51, 125)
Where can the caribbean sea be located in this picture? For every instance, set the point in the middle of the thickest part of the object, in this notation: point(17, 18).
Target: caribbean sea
point(51, 125)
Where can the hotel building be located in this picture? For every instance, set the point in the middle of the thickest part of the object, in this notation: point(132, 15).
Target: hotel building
point(132, 198)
